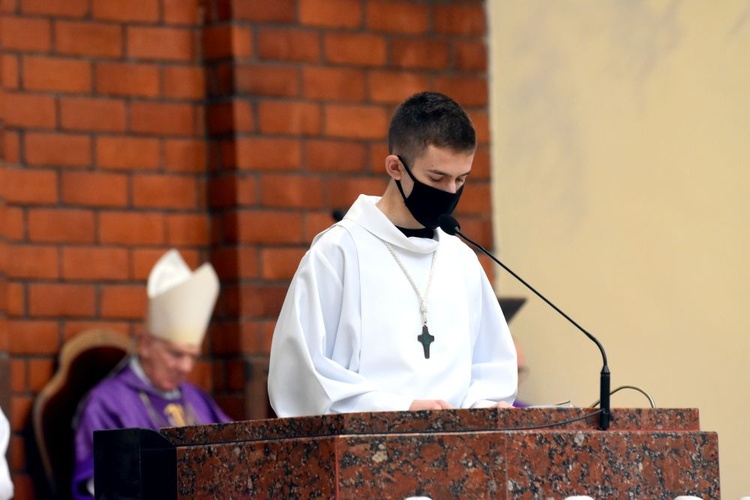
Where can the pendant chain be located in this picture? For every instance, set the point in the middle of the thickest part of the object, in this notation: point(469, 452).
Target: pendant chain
point(422, 298)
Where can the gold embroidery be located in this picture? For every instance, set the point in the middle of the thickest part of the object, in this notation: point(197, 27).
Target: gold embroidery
point(175, 414)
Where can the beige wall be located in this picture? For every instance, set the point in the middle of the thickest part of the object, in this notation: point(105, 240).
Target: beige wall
point(621, 170)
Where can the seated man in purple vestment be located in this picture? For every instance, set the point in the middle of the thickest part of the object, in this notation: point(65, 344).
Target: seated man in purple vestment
point(148, 390)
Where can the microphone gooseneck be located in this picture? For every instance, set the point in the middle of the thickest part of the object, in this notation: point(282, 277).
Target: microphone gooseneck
point(450, 225)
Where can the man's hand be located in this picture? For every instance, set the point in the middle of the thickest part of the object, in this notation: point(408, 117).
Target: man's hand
point(429, 404)
point(503, 404)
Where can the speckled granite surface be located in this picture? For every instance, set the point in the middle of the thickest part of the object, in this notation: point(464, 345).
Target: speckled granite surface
point(646, 453)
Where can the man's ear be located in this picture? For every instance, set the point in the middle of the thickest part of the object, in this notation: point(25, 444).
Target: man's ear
point(393, 167)
point(142, 343)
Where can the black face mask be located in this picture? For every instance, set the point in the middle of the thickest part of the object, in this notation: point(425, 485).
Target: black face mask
point(427, 203)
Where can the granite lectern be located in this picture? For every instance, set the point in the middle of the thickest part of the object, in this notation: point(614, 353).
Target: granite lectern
point(486, 453)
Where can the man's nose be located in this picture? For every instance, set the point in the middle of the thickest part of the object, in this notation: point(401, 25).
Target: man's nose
point(185, 364)
point(453, 187)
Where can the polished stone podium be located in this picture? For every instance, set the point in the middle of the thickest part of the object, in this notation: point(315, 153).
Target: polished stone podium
point(484, 453)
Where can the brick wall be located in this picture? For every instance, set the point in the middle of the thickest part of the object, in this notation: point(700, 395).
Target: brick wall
point(4, 361)
point(227, 129)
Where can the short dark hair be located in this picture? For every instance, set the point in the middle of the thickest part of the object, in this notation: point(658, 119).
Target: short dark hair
point(430, 118)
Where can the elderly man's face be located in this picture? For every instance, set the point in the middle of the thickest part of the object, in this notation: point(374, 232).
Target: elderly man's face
point(167, 364)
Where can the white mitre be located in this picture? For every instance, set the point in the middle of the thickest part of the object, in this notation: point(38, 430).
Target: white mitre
point(180, 302)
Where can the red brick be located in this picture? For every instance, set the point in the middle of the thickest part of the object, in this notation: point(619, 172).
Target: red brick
point(222, 192)
point(40, 373)
point(123, 302)
point(235, 376)
point(224, 41)
point(267, 227)
point(132, 228)
point(280, 11)
point(478, 199)
point(336, 84)
point(13, 224)
point(470, 56)
point(315, 222)
point(460, 19)
point(331, 13)
point(188, 229)
point(277, 81)
point(94, 263)
point(280, 263)
point(394, 86)
point(262, 301)
point(481, 228)
point(480, 169)
point(11, 146)
point(162, 43)
point(181, 12)
point(220, 118)
point(222, 155)
point(126, 10)
point(377, 152)
point(289, 45)
point(10, 71)
point(233, 191)
point(17, 462)
point(95, 189)
point(20, 414)
point(335, 156)
point(29, 110)
point(61, 225)
point(31, 186)
point(64, 150)
point(56, 74)
point(67, 8)
point(344, 191)
point(397, 17)
point(130, 153)
point(62, 300)
point(236, 262)
point(266, 334)
point(16, 300)
point(287, 117)
point(468, 91)
point(268, 154)
point(185, 155)
point(73, 328)
point(220, 79)
point(96, 115)
point(201, 376)
point(482, 125)
point(88, 39)
point(355, 48)
point(163, 118)
point(217, 42)
point(18, 375)
point(419, 54)
point(33, 262)
point(3, 325)
point(27, 34)
point(127, 79)
point(291, 191)
point(361, 122)
point(164, 191)
point(184, 82)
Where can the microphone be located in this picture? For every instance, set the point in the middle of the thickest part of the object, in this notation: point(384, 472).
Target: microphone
point(450, 225)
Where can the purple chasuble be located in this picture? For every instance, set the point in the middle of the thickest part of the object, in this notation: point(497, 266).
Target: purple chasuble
point(124, 401)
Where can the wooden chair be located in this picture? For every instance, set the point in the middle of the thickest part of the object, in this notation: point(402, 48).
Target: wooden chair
point(83, 362)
